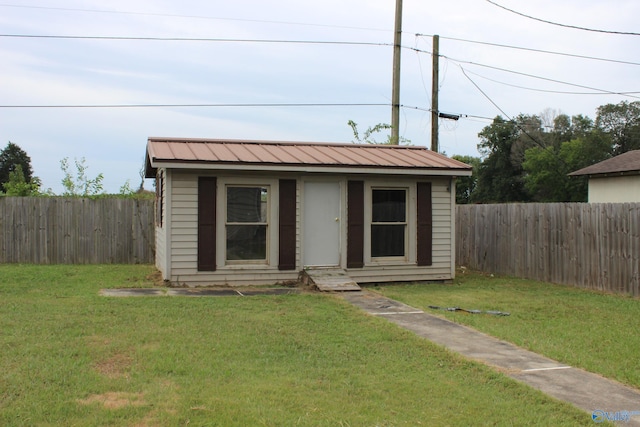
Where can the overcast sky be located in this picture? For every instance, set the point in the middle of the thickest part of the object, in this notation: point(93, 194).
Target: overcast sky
point(98, 72)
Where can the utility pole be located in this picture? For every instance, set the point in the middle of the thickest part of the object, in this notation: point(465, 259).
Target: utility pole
point(395, 92)
point(435, 81)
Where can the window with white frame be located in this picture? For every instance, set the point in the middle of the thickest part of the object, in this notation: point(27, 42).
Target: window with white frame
point(388, 222)
point(247, 223)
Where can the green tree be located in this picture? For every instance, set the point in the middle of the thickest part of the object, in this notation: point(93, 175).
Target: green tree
point(80, 184)
point(565, 128)
point(621, 123)
point(367, 135)
point(17, 185)
point(503, 145)
point(466, 185)
point(546, 179)
point(547, 168)
point(528, 158)
point(12, 156)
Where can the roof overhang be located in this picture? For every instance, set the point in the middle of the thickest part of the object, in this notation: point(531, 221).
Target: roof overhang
point(152, 166)
point(609, 174)
point(297, 157)
point(624, 164)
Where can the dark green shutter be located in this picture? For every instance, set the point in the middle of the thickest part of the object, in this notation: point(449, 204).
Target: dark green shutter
point(287, 225)
point(206, 224)
point(355, 224)
point(424, 230)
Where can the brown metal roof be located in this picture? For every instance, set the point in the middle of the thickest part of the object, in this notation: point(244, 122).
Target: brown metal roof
point(625, 163)
point(218, 153)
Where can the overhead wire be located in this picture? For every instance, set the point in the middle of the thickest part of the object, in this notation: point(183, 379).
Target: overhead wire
point(172, 15)
point(545, 90)
point(462, 61)
point(515, 122)
point(309, 104)
point(485, 95)
point(604, 91)
point(529, 49)
point(193, 39)
point(422, 79)
point(319, 42)
point(575, 27)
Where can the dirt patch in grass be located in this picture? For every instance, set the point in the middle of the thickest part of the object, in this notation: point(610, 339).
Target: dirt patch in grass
point(116, 366)
point(115, 399)
point(110, 362)
point(156, 279)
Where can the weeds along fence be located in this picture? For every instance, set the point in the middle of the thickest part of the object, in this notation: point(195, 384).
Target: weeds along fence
point(57, 230)
point(595, 246)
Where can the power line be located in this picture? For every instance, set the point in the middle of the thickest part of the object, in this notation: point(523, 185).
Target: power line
point(169, 15)
point(187, 39)
point(461, 115)
point(485, 95)
point(572, 55)
point(575, 27)
point(544, 90)
point(503, 112)
point(459, 61)
point(199, 105)
point(222, 105)
point(541, 78)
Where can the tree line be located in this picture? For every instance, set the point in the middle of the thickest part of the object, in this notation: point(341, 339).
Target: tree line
point(528, 158)
point(524, 159)
point(17, 178)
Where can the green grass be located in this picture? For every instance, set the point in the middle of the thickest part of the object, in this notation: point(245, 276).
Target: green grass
point(591, 330)
point(71, 357)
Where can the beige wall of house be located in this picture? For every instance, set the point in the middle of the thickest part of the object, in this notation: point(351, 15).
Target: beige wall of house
point(614, 189)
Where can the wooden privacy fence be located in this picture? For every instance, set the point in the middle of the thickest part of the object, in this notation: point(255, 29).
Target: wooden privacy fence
point(594, 246)
point(55, 230)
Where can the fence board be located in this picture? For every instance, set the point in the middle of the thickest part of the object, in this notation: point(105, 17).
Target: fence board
point(595, 246)
point(56, 230)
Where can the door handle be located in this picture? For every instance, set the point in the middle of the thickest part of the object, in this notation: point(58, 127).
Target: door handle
point(337, 219)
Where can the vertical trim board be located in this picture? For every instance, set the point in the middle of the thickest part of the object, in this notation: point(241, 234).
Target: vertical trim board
point(207, 223)
point(355, 224)
point(287, 224)
point(424, 232)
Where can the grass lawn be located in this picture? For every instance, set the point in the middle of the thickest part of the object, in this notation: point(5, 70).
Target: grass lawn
point(591, 330)
point(71, 357)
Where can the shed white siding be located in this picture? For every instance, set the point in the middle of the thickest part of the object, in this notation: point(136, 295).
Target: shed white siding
point(184, 244)
point(443, 267)
point(181, 224)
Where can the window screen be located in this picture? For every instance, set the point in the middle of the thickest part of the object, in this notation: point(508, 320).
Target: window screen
point(388, 222)
point(247, 223)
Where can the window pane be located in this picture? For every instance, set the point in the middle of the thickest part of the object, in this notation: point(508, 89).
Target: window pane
point(388, 206)
point(247, 204)
point(246, 242)
point(387, 240)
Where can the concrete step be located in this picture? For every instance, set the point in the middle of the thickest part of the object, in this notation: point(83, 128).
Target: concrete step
point(328, 279)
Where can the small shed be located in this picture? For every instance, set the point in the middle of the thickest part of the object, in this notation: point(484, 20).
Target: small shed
point(615, 180)
point(234, 212)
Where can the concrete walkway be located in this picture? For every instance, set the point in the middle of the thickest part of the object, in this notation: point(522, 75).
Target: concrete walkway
point(195, 292)
point(600, 397)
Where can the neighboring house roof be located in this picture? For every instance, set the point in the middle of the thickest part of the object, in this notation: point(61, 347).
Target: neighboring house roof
point(625, 164)
point(219, 154)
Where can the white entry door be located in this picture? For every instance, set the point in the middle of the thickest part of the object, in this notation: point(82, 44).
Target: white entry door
point(321, 219)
